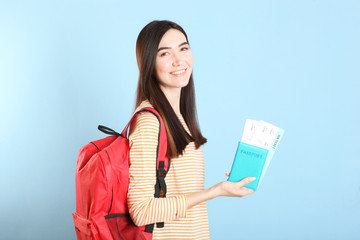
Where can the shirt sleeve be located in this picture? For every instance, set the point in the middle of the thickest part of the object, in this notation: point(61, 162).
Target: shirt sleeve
point(144, 208)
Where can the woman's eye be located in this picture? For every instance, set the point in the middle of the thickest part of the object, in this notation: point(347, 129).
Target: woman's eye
point(184, 48)
point(163, 54)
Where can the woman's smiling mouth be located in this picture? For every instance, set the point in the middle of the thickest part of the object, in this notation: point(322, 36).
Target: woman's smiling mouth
point(179, 73)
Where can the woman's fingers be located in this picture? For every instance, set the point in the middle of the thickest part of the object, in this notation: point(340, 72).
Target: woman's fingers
point(247, 191)
point(236, 189)
point(246, 180)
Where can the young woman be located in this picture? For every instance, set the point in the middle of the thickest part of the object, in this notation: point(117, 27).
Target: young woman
point(166, 83)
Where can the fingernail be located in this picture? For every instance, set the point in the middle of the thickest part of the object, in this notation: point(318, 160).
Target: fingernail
point(252, 178)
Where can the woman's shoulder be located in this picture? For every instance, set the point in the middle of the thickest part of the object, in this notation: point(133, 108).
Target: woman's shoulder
point(143, 104)
point(146, 118)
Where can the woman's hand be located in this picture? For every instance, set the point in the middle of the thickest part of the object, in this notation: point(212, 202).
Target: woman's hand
point(226, 188)
point(235, 189)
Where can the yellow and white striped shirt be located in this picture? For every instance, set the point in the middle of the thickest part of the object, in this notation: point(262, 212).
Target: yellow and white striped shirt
point(186, 175)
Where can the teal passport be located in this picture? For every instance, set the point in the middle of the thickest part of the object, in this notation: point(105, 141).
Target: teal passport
point(249, 162)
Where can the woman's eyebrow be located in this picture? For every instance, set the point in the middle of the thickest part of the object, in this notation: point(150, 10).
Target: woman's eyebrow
point(162, 48)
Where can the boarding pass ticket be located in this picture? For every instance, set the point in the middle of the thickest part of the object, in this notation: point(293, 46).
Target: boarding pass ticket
point(259, 133)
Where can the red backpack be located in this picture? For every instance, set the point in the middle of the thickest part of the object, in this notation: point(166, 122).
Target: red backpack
point(102, 179)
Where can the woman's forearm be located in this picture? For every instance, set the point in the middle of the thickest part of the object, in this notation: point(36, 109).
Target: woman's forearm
point(202, 196)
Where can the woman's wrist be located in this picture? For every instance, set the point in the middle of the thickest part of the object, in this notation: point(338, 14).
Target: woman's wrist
point(216, 190)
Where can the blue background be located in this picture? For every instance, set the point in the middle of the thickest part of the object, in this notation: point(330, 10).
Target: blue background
point(67, 66)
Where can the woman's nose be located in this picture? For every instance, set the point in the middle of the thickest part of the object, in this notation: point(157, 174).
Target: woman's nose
point(176, 60)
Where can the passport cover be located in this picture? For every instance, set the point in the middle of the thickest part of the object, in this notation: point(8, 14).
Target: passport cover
point(249, 161)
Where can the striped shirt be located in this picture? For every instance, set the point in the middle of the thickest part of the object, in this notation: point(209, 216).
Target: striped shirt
point(186, 175)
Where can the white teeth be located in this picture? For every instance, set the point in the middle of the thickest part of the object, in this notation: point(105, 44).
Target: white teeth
point(178, 72)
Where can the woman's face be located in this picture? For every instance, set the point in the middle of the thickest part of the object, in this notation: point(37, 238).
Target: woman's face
point(174, 61)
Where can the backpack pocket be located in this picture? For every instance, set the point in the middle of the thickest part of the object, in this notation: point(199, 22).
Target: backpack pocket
point(82, 227)
point(122, 228)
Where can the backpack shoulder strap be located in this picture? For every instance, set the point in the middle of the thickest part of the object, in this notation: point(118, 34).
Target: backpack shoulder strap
point(162, 161)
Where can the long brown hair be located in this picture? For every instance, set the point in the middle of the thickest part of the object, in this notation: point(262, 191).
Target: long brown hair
point(148, 88)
